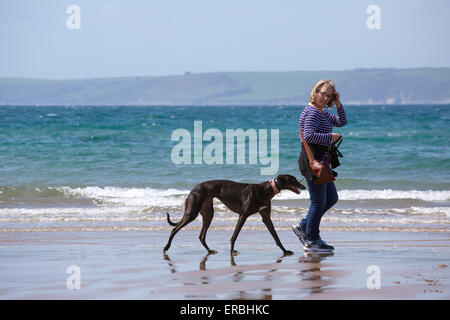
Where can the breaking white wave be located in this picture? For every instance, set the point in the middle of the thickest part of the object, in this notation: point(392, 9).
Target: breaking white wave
point(128, 196)
point(389, 194)
point(173, 197)
point(386, 194)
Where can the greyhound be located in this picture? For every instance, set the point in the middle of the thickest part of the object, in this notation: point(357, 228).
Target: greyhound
point(243, 198)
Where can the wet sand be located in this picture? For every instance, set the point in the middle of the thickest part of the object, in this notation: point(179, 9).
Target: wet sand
point(131, 265)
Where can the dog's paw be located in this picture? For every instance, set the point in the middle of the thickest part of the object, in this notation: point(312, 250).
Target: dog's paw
point(212, 251)
point(288, 253)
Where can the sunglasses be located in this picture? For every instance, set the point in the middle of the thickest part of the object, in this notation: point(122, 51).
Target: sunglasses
point(326, 95)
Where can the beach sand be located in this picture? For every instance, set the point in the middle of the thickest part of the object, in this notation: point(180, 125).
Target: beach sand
point(131, 265)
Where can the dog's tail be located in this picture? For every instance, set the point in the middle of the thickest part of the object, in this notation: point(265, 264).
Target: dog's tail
point(170, 222)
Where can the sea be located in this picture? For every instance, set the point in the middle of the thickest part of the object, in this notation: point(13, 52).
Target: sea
point(123, 168)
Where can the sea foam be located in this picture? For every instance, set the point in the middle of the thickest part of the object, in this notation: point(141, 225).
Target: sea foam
point(144, 196)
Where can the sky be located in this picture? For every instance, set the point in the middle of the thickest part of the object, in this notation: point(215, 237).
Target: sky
point(118, 38)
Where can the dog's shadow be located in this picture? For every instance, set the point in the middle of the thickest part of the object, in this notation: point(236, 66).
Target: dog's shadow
point(204, 260)
point(306, 258)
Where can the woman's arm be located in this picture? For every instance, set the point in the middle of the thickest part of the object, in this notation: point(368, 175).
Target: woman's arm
point(310, 126)
point(338, 120)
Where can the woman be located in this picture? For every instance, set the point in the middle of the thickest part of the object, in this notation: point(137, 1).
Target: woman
point(317, 125)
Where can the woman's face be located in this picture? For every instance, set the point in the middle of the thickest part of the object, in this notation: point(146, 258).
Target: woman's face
point(324, 95)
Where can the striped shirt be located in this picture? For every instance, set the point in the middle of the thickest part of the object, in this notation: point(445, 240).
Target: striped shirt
point(317, 126)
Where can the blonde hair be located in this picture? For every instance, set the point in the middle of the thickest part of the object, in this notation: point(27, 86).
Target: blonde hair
point(316, 89)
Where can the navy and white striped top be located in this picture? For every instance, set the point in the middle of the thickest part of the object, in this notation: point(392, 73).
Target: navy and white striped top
point(317, 126)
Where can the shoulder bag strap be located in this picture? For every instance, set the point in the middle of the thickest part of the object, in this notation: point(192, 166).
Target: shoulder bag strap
point(308, 150)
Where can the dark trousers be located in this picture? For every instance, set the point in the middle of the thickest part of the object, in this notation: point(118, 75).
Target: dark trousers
point(322, 197)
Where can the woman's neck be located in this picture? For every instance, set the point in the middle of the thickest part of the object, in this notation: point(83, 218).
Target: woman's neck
point(318, 107)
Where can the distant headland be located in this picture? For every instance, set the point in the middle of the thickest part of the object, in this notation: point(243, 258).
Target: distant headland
point(357, 87)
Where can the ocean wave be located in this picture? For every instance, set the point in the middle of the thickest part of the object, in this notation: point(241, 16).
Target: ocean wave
point(118, 195)
point(388, 194)
point(129, 196)
point(171, 197)
point(7, 192)
point(385, 194)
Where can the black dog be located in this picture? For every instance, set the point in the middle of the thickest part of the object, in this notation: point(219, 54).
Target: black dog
point(242, 198)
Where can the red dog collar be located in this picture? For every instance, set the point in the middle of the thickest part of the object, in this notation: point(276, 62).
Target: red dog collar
point(274, 186)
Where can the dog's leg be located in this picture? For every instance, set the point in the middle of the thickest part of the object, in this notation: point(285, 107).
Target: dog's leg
point(265, 214)
point(192, 208)
point(240, 223)
point(207, 213)
point(186, 220)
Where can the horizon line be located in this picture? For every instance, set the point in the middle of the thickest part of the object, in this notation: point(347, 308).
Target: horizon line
point(188, 72)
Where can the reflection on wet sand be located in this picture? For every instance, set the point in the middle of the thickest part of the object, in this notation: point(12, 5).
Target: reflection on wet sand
point(313, 272)
point(309, 275)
